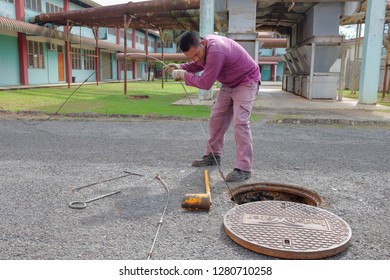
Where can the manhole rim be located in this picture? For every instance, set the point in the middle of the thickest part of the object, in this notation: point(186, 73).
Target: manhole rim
point(278, 187)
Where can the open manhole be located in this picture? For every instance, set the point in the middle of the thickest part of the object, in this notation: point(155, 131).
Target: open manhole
point(138, 97)
point(272, 191)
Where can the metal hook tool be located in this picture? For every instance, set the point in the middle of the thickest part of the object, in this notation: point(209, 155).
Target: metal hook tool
point(83, 204)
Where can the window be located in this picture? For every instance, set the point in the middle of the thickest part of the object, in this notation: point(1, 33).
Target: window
point(51, 8)
point(11, 1)
point(140, 39)
point(128, 65)
point(89, 60)
point(151, 43)
point(166, 45)
point(129, 34)
point(76, 58)
point(35, 5)
point(112, 31)
point(36, 58)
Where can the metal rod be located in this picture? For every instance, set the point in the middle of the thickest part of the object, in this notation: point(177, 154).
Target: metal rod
point(108, 180)
point(83, 204)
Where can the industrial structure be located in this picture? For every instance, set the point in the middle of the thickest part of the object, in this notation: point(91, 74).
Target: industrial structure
point(68, 40)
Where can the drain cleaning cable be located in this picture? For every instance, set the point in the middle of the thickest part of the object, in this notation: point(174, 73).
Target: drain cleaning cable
point(160, 222)
point(204, 133)
point(212, 152)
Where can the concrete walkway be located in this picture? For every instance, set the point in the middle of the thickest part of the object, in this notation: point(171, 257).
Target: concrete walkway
point(272, 98)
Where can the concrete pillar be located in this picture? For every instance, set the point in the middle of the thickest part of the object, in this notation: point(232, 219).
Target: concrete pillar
point(206, 26)
point(373, 35)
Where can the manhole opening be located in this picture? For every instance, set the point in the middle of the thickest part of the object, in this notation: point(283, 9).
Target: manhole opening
point(279, 192)
point(138, 97)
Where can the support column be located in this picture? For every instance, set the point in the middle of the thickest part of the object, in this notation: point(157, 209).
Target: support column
point(68, 54)
point(274, 67)
point(97, 54)
point(22, 46)
point(206, 26)
point(134, 46)
point(373, 35)
point(118, 62)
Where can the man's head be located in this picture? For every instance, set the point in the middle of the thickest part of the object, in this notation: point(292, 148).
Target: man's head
point(193, 46)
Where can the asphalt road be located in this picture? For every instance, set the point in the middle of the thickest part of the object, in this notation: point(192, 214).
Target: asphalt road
point(41, 164)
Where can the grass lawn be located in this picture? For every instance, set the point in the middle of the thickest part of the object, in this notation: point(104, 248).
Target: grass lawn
point(106, 98)
point(384, 102)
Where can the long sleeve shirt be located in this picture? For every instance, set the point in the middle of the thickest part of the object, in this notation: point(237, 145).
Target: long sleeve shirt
point(225, 61)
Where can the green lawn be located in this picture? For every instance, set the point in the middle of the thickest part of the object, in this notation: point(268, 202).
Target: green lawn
point(384, 102)
point(106, 98)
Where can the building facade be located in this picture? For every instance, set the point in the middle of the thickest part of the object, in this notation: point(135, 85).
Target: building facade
point(31, 54)
point(34, 55)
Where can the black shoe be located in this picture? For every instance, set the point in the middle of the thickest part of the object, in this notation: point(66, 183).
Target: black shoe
point(207, 161)
point(238, 175)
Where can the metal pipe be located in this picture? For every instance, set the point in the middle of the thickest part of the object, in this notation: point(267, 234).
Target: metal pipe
point(115, 10)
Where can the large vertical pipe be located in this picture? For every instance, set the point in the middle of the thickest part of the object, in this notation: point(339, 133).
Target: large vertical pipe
point(206, 26)
point(373, 36)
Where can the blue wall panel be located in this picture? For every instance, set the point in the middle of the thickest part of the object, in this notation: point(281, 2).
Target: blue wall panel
point(9, 61)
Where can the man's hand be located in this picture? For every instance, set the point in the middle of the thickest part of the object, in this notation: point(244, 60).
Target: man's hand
point(171, 66)
point(178, 75)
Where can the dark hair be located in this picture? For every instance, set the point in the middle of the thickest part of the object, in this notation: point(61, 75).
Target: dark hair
point(188, 40)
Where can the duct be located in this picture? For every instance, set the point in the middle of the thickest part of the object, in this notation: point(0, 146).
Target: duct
point(327, 50)
point(268, 43)
point(29, 29)
point(263, 35)
point(270, 59)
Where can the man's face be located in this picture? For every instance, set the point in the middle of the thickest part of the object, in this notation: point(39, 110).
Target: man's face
point(196, 54)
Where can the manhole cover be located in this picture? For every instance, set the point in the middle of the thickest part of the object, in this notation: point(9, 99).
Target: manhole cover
point(287, 229)
point(272, 191)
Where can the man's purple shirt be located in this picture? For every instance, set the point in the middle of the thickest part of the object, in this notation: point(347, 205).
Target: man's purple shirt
point(226, 62)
